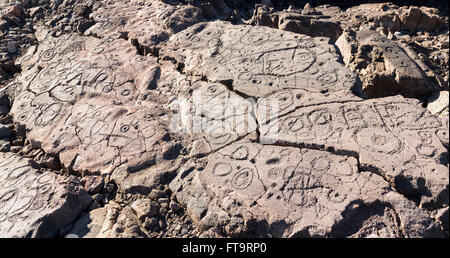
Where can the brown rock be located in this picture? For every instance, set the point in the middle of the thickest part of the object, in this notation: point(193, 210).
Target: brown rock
point(256, 190)
point(35, 204)
point(384, 67)
point(394, 137)
point(15, 10)
point(108, 129)
point(92, 184)
point(111, 221)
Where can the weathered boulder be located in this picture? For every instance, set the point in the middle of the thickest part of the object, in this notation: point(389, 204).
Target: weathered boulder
point(438, 103)
point(34, 204)
point(91, 103)
point(313, 24)
point(391, 18)
point(385, 67)
point(145, 23)
point(111, 221)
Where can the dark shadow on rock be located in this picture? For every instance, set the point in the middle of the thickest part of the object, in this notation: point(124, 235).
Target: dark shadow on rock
point(362, 218)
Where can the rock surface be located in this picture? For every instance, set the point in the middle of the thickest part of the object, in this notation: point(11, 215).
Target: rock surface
point(438, 103)
point(223, 119)
point(385, 68)
point(95, 117)
point(286, 192)
point(394, 137)
point(273, 60)
point(36, 204)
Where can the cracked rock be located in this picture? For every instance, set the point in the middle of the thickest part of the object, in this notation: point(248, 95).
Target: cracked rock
point(247, 58)
point(385, 68)
point(394, 136)
point(92, 117)
point(36, 204)
point(259, 190)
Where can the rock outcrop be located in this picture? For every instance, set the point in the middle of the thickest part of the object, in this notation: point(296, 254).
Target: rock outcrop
point(35, 204)
point(385, 67)
point(222, 119)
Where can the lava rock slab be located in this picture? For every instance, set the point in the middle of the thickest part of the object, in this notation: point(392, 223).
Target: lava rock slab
point(35, 204)
point(256, 61)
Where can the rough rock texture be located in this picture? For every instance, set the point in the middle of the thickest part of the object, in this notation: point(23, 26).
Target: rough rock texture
point(223, 118)
point(385, 68)
point(146, 23)
point(108, 222)
point(16, 35)
point(438, 103)
point(392, 136)
point(35, 204)
point(422, 29)
point(314, 24)
point(95, 116)
point(216, 51)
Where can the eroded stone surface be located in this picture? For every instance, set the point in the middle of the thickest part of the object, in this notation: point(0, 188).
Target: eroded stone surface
point(111, 221)
point(90, 106)
point(438, 103)
point(248, 188)
point(148, 23)
point(313, 24)
point(213, 116)
point(385, 67)
point(36, 204)
point(264, 130)
point(258, 61)
point(393, 136)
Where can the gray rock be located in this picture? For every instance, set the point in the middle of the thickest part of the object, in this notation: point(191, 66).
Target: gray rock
point(12, 47)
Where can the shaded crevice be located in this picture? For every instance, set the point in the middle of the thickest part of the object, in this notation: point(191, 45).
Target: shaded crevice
point(361, 168)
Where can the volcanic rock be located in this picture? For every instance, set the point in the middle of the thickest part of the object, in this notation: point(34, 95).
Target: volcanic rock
point(385, 68)
point(394, 137)
point(248, 188)
point(36, 204)
point(111, 221)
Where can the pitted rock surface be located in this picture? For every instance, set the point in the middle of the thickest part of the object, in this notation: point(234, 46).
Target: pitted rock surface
point(147, 23)
point(188, 118)
point(385, 67)
point(392, 136)
point(87, 105)
point(214, 116)
point(35, 204)
point(284, 191)
point(258, 61)
point(111, 221)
